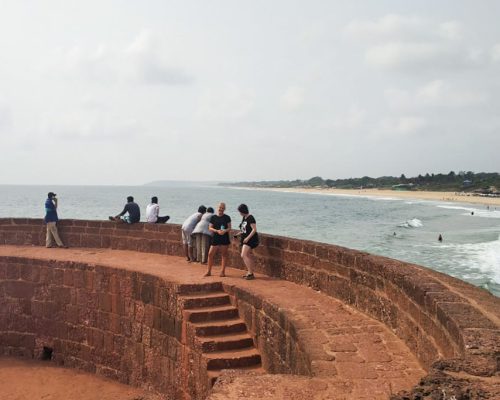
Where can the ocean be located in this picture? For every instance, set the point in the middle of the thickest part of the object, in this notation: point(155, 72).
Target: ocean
point(403, 229)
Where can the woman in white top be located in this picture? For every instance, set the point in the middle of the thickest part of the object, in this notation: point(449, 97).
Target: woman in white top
point(203, 236)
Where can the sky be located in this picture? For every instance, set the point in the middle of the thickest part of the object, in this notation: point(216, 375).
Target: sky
point(128, 92)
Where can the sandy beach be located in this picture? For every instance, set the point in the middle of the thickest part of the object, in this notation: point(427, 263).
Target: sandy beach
point(417, 195)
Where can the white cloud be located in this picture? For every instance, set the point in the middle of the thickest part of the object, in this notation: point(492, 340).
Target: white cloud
point(387, 26)
point(411, 28)
point(5, 116)
point(436, 93)
point(416, 56)
point(292, 99)
point(451, 30)
point(352, 119)
point(144, 60)
point(90, 126)
point(400, 126)
point(151, 62)
point(495, 52)
point(414, 44)
point(230, 101)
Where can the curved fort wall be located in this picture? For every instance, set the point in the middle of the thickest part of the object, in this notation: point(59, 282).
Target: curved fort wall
point(438, 317)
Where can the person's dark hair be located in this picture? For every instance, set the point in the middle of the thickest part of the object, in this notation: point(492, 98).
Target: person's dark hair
point(130, 199)
point(202, 209)
point(50, 195)
point(210, 210)
point(154, 199)
point(242, 208)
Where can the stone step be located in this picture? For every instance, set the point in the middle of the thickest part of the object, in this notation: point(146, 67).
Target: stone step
point(232, 359)
point(232, 341)
point(187, 289)
point(219, 327)
point(205, 299)
point(214, 374)
point(210, 313)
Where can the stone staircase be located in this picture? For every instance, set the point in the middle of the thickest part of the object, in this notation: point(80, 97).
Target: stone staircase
point(216, 330)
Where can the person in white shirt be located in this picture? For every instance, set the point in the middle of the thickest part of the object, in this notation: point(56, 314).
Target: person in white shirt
point(203, 236)
point(187, 232)
point(153, 211)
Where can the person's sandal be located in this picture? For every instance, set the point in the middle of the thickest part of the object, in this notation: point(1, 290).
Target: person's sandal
point(249, 277)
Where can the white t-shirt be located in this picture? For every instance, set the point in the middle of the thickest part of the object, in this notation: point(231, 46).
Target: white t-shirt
point(152, 211)
point(191, 222)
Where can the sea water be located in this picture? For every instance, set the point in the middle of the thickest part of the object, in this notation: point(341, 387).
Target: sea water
point(403, 229)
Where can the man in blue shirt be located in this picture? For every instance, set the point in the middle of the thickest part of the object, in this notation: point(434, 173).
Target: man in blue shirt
point(51, 221)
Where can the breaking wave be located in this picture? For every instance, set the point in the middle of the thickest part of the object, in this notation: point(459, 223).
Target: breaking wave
point(412, 223)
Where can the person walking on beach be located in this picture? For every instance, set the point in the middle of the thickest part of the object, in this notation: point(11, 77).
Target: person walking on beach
point(220, 225)
point(187, 232)
point(133, 211)
point(153, 212)
point(51, 219)
point(249, 239)
point(203, 236)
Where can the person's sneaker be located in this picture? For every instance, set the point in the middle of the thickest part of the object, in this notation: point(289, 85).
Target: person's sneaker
point(111, 218)
point(249, 277)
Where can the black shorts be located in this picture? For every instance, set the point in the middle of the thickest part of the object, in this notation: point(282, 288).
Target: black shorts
point(220, 240)
point(252, 243)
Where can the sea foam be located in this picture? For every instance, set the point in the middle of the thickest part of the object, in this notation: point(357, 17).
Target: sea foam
point(412, 223)
point(478, 212)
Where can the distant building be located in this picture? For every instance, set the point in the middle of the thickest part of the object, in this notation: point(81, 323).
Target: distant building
point(467, 183)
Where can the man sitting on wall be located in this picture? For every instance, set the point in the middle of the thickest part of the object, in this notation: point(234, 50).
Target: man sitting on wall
point(153, 212)
point(132, 210)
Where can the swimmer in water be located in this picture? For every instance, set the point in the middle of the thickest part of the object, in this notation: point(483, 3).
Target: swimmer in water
point(440, 238)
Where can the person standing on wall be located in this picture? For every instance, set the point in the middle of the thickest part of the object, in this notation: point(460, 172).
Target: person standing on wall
point(220, 225)
point(51, 219)
point(153, 212)
point(249, 239)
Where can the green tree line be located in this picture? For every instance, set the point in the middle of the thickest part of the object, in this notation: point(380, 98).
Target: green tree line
point(462, 181)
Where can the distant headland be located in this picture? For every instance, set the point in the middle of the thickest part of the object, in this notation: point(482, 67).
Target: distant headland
point(485, 183)
point(464, 187)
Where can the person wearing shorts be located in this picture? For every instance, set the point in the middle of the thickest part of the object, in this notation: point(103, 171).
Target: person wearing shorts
point(187, 232)
point(249, 239)
point(132, 210)
point(203, 237)
point(220, 225)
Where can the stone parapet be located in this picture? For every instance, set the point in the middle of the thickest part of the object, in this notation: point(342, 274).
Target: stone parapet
point(119, 324)
point(448, 324)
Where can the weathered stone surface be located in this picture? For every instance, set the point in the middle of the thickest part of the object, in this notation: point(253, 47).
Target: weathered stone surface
point(435, 315)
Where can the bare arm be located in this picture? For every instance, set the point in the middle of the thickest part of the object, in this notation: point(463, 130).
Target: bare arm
point(254, 231)
point(123, 212)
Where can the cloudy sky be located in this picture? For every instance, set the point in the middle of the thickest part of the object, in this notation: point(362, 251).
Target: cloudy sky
point(126, 92)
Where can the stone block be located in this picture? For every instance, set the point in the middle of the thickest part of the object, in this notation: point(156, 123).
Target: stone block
point(90, 240)
point(12, 271)
point(18, 289)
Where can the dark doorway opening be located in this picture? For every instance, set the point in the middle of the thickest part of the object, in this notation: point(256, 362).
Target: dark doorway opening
point(47, 353)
